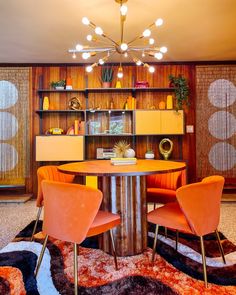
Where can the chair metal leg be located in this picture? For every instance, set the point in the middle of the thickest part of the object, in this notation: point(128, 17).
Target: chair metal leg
point(203, 261)
point(36, 223)
point(220, 246)
point(154, 206)
point(114, 249)
point(75, 269)
point(41, 256)
point(155, 243)
point(166, 233)
point(176, 240)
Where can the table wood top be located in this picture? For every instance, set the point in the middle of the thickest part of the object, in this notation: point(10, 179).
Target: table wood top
point(105, 168)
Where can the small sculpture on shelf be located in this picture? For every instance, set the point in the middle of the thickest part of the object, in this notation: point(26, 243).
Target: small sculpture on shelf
point(69, 83)
point(166, 151)
point(120, 148)
point(74, 103)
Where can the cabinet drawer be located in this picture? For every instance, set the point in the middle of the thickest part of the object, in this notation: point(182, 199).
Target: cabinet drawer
point(59, 148)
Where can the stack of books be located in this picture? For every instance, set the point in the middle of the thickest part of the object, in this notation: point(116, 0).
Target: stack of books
point(123, 161)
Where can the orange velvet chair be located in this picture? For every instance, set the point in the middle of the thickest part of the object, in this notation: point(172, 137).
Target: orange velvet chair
point(161, 188)
point(197, 211)
point(71, 213)
point(48, 173)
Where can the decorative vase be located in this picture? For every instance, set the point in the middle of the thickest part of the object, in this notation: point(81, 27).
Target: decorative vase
point(59, 88)
point(162, 105)
point(129, 153)
point(118, 84)
point(169, 102)
point(45, 103)
point(149, 155)
point(106, 84)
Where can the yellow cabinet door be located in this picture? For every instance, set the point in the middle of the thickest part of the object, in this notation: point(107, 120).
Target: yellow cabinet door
point(147, 122)
point(59, 148)
point(172, 122)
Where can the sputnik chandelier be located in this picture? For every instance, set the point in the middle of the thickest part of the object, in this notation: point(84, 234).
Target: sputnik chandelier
point(109, 47)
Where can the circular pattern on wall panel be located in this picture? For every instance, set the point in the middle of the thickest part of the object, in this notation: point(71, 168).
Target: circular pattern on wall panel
point(222, 93)
point(222, 156)
point(8, 94)
point(8, 157)
point(8, 125)
point(222, 125)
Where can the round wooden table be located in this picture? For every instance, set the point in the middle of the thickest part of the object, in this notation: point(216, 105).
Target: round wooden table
point(124, 192)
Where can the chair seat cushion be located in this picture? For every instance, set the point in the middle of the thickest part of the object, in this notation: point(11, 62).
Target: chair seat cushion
point(171, 216)
point(160, 195)
point(103, 222)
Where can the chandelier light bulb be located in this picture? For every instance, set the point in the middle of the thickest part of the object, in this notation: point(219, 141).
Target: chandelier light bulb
point(125, 54)
point(123, 10)
point(143, 54)
point(151, 69)
point(163, 49)
point(79, 47)
point(101, 61)
point(123, 46)
point(158, 55)
point(85, 21)
point(89, 37)
point(98, 31)
point(159, 22)
point(151, 41)
point(89, 69)
point(138, 62)
point(85, 55)
point(74, 55)
point(147, 33)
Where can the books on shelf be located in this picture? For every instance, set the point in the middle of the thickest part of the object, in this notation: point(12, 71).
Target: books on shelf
point(123, 161)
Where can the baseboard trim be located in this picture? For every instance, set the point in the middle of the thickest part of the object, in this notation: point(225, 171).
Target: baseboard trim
point(15, 198)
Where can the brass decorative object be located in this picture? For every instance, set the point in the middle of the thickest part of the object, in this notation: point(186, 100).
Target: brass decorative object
point(75, 104)
point(165, 152)
point(120, 148)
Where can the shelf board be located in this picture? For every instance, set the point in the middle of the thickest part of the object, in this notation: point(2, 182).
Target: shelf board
point(148, 89)
point(110, 134)
point(62, 90)
point(108, 110)
point(58, 111)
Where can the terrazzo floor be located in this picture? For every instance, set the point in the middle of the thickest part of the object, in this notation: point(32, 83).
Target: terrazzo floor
point(14, 217)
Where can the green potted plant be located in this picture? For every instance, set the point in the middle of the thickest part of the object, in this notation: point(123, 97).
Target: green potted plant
point(59, 85)
point(181, 90)
point(107, 76)
point(149, 154)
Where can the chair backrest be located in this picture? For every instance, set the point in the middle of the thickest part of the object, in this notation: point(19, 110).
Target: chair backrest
point(171, 180)
point(69, 210)
point(50, 173)
point(200, 203)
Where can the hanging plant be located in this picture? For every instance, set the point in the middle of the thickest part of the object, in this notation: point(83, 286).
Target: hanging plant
point(181, 91)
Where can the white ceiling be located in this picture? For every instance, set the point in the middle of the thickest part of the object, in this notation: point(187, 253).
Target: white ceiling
point(41, 31)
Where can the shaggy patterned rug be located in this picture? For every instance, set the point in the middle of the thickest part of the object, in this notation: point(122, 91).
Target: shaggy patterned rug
point(172, 273)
